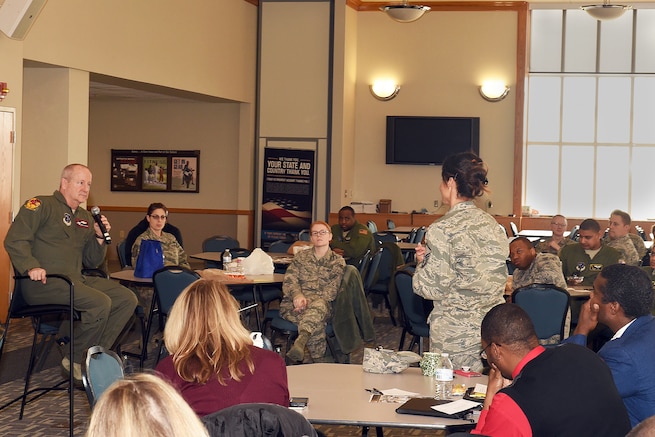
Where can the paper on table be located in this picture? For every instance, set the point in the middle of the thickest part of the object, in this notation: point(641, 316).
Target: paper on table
point(480, 388)
point(398, 392)
point(456, 406)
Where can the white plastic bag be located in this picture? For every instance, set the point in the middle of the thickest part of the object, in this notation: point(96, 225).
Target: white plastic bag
point(258, 263)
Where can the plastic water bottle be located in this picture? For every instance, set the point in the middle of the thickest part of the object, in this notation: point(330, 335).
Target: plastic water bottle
point(443, 378)
point(227, 259)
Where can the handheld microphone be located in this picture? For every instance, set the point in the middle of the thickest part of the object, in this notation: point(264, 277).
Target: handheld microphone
point(95, 211)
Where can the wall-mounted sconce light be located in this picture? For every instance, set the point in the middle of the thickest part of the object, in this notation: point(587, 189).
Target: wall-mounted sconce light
point(494, 90)
point(384, 89)
point(3, 90)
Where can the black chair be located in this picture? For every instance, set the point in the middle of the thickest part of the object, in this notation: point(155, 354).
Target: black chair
point(415, 310)
point(304, 235)
point(218, 243)
point(168, 283)
point(547, 306)
point(383, 275)
point(280, 246)
point(641, 232)
point(257, 420)
point(100, 369)
point(504, 229)
point(364, 263)
point(123, 257)
point(575, 233)
point(385, 237)
point(372, 226)
point(419, 235)
point(514, 228)
point(41, 316)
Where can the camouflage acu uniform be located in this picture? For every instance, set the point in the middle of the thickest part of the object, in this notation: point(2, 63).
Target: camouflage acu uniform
point(545, 269)
point(174, 255)
point(464, 273)
point(639, 245)
point(319, 281)
point(544, 246)
point(627, 250)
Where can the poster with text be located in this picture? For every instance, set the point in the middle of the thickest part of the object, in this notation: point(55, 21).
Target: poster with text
point(184, 176)
point(154, 173)
point(288, 194)
point(124, 172)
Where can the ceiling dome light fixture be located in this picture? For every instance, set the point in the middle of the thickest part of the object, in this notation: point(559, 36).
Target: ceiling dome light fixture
point(606, 11)
point(404, 12)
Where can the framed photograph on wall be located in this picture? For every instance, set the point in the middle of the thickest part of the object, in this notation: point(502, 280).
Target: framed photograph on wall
point(184, 173)
point(155, 170)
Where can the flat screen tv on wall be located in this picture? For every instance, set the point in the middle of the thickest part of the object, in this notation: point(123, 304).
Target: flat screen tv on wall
point(429, 140)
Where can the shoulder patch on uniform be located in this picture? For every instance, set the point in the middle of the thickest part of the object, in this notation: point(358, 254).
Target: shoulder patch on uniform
point(363, 231)
point(33, 204)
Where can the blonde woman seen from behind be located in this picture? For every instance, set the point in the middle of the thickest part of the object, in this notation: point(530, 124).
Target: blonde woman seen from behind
point(212, 361)
point(143, 405)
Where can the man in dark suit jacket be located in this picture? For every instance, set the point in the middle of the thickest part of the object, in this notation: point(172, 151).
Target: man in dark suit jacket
point(622, 299)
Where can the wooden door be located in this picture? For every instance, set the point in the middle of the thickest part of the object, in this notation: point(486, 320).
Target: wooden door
point(7, 135)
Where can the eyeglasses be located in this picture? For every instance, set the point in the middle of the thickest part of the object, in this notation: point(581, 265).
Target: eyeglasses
point(321, 233)
point(483, 353)
point(559, 224)
point(158, 217)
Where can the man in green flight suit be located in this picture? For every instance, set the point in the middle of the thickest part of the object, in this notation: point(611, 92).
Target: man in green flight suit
point(53, 234)
point(350, 238)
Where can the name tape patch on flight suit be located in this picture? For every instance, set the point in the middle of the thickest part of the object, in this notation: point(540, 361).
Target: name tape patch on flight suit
point(81, 223)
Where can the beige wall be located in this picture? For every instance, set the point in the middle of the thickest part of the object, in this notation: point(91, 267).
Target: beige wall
point(439, 61)
point(212, 128)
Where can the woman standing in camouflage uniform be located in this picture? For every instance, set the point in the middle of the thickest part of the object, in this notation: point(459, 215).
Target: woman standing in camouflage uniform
point(462, 267)
point(310, 285)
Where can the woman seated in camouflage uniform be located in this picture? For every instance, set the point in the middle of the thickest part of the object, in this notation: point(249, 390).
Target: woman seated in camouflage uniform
point(310, 285)
point(174, 255)
point(462, 267)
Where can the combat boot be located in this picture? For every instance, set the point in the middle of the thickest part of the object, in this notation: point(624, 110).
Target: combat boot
point(297, 351)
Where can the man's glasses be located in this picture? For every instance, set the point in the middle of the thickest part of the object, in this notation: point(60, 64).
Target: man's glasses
point(158, 217)
point(558, 224)
point(321, 233)
point(483, 353)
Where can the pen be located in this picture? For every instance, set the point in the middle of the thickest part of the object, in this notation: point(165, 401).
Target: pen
point(374, 390)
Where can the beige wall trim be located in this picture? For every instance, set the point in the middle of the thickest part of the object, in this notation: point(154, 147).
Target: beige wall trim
point(446, 6)
point(249, 213)
point(522, 29)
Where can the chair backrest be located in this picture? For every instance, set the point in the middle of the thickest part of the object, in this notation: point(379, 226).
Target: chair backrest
point(419, 235)
point(372, 226)
point(547, 306)
point(504, 229)
point(100, 369)
point(391, 224)
point(239, 252)
point(280, 246)
point(514, 228)
point(371, 274)
point(304, 235)
point(385, 237)
point(364, 263)
point(218, 243)
point(123, 256)
point(575, 233)
point(258, 419)
point(169, 282)
point(414, 307)
point(641, 233)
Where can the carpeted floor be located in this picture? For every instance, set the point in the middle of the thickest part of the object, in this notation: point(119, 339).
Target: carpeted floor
point(48, 416)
